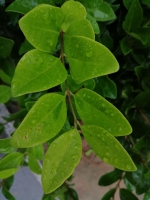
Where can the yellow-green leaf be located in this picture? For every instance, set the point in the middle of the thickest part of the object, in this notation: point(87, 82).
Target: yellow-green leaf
point(44, 120)
point(33, 164)
point(108, 148)
point(37, 71)
point(95, 110)
point(60, 160)
point(41, 26)
point(88, 59)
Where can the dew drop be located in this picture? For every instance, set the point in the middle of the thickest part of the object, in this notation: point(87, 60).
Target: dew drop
point(89, 54)
point(128, 167)
point(116, 160)
point(117, 146)
point(103, 139)
point(105, 159)
point(50, 42)
point(107, 154)
point(103, 105)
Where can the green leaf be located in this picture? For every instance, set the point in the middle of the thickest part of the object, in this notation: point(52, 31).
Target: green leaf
point(107, 147)
point(29, 105)
point(142, 100)
point(108, 86)
point(24, 6)
point(95, 110)
point(44, 21)
point(134, 17)
point(7, 173)
point(83, 52)
point(4, 93)
point(110, 178)
point(5, 146)
point(126, 194)
point(125, 46)
point(5, 78)
point(93, 23)
point(107, 40)
point(127, 3)
point(128, 185)
point(67, 149)
point(7, 194)
point(146, 2)
point(147, 175)
point(25, 47)
point(12, 160)
point(98, 9)
point(80, 28)
point(72, 11)
point(43, 121)
point(33, 164)
point(109, 194)
point(48, 72)
point(8, 182)
point(7, 66)
point(6, 46)
point(37, 151)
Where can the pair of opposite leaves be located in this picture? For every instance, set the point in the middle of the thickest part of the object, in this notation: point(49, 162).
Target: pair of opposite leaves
point(42, 26)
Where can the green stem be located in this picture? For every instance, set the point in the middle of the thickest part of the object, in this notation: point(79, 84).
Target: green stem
point(68, 92)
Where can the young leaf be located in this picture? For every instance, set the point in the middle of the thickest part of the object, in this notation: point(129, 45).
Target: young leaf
point(4, 93)
point(134, 17)
point(93, 23)
point(100, 10)
point(60, 160)
point(12, 160)
point(5, 47)
point(72, 11)
point(126, 194)
point(95, 110)
point(7, 194)
point(5, 146)
point(40, 70)
point(43, 121)
point(33, 164)
point(24, 6)
point(110, 178)
point(41, 26)
point(80, 28)
point(109, 194)
point(107, 147)
point(7, 173)
point(83, 52)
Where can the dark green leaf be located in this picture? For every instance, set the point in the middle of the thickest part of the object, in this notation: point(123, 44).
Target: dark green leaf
point(126, 195)
point(5, 146)
point(109, 194)
point(110, 178)
point(93, 23)
point(7, 194)
point(25, 47)
point(5, 47)
point(142, 100)
point(4, 93)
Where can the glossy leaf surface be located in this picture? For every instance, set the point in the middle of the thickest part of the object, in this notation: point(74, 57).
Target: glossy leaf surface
point(37, 71)
point(5, 47)
point(7, 173)
point(95, 110)
point(100, 10)
point(5, 146)
point(109, 194)
point(41, 27)
point(44, 120)
point(108, 148)
point(61, 159)
point(82, 53)
point(24, 6)
point(72, 11)
point(93, 23)
point(4, 93)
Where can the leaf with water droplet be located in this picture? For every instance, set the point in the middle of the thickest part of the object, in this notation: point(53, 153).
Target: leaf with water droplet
point(44, 120)
point(95, 110)
point(72, 11)
point(45, 27)
point(58, 158)
point(89, 53)
point(41, 70)
point(100, 147)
